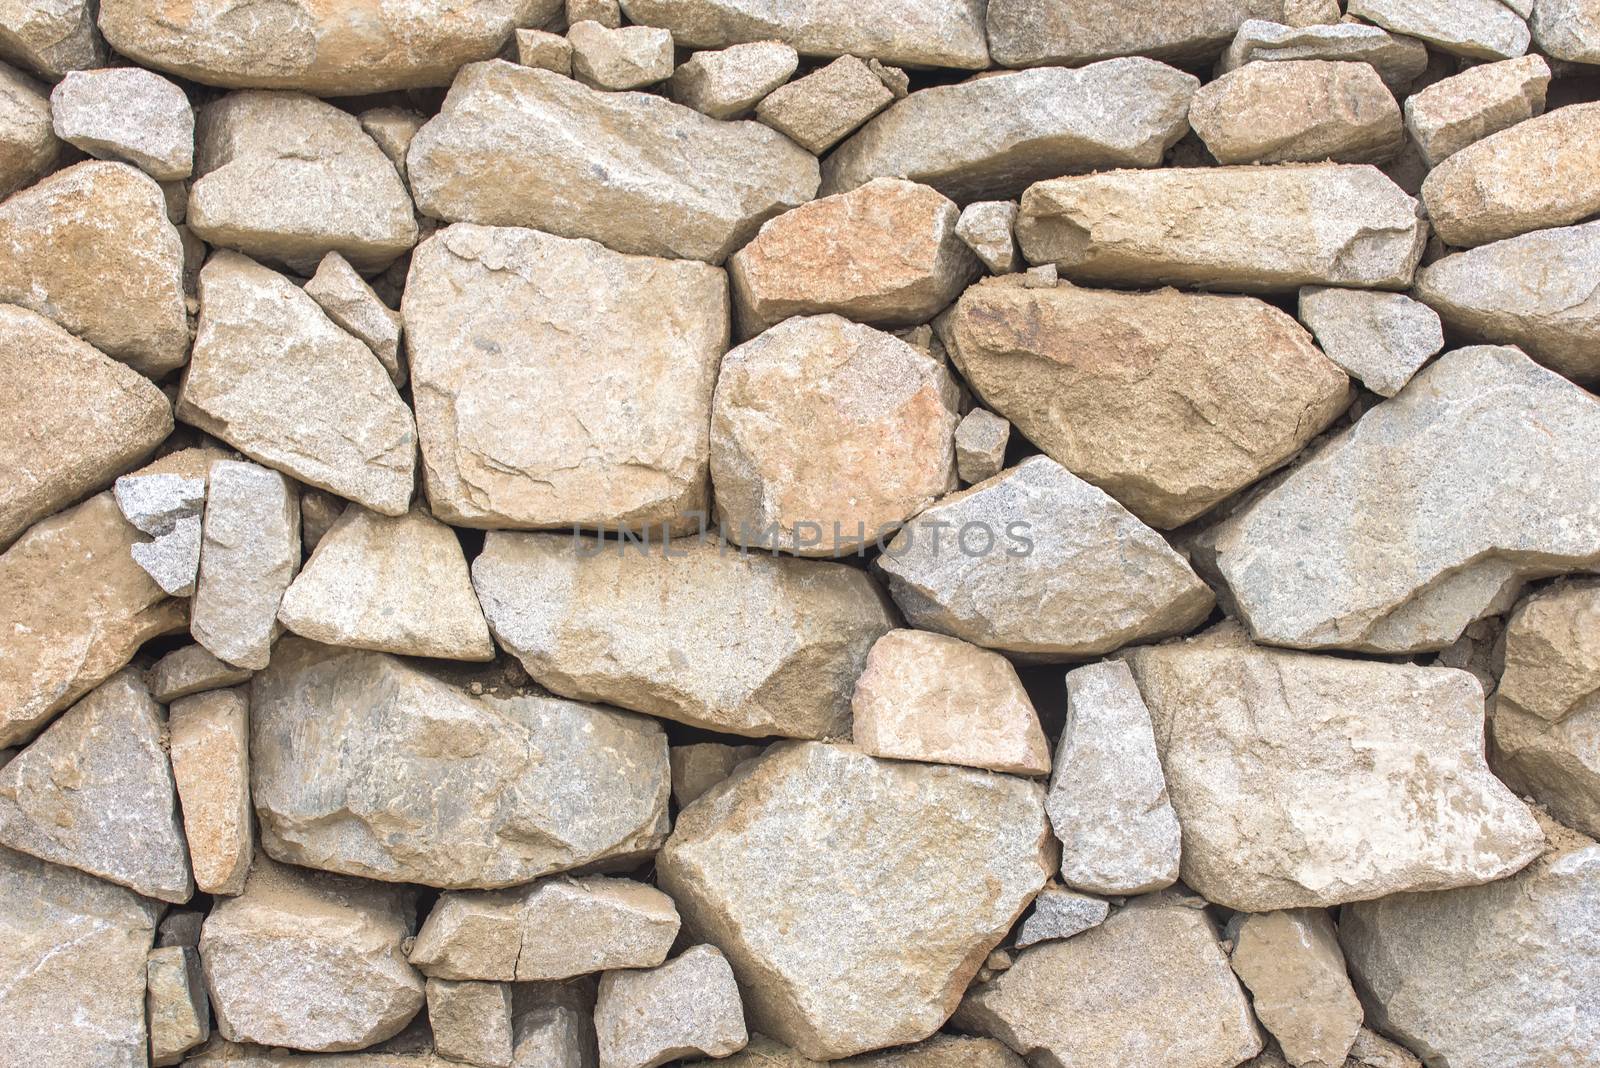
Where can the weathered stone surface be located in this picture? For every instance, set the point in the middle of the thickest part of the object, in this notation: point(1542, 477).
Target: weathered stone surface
point(1490, 499)
point(560, 384)
point(180, 927)
point(1255, 743)
point(1398, 60)
point(127, 114)
point(1451, 114)
point(1479, 29)
point(1059, 914)
point(1375, 1051)
point(827, 105)
point(363, 764)
point(987, 229)
point(515, 146)
point(51, 37)
point(729, 83)
point(210, 748)
point(471, 1022)
point(344, 49)
point(698, 767)
point(72, 967)
point(937, 699)
point(1380, 338)
point(220, 1053)
point(991, 137)
point(940, 1051)
point(168, 507)
point(629, 57)
point(1023, 33)
point(553, 1026)
point(191, 670)
point(91, 248)
point(1567, 29)
point(545, 50)
point(606, 12)
point(344, 295)
point(311, 961)
point(1255, 229)
point(981, 440)
point(1294, 969)
point(249, 557)
point(1168, 401)
point(273, 377)
point(1299, 111)
point(28, 145)
point(176, 1003)
point(173, 558)
point(392, 130)
point(932, 865)
point(94, 792)
point(1149, 988)
point(688, 1006)
point(650, 632)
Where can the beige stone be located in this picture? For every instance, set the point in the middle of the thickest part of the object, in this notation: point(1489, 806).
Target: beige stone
point(545, 50)
point(471, 1022)
point(250, 555)
point(127, 114)
point(553, 1026)
point(1451, 114)
point(1299, 111)
point(1567, 29)
point(319, 510)
point(689, 1005)
point(1294, 969)
point(981, 440)
point(51, 37)
point(344, 295)
point(176, 1004)
point(987, 227)
point(1398, 60)
point(826, 106)
point(392, 129)
point(28, 145)
point(1072, 32)
point(629, 57)
point(210, 748)
point(730, 82)
point(191, 670)
point(1381, 338)
point(698, 767)
point(1478, 29)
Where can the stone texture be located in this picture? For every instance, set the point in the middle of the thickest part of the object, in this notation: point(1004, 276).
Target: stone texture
point(554, 1027)
point(1478, 29)
point(1567, 29)
point(1490, 500)
point(1168, 401)
point(1255, 229)
point(698, 767)
point(651, 632)
point(688, 1006)
point(249, 557)
point(629, 57)
point(1374, 1051)
point(190, 670)
point(94, 792)
point(981, 440)
point(392, 129)
point(51, 37)
point(729, 83)
point(220, 1053)
point(471, 1022)
point(515, 146)
point(1398, 60)
point(1299, 111)
point(826, 106)
point(127, 114)
point(176, 1004)
point(1451, 114)
point(273, 377)
point(1023, 33)
point(1307, 781)
point(545, 50)
point(346, 298)
point(1294, 969)
point(989, 138)
point(210, 749)
point(168, 507)
point(1383, 339)
point(911, 872)
point(606, 12)
point(366, 765)
point(560, 384)
point(1059, 914)
point(28, 146)
point(987, 229)
point(940, 1051)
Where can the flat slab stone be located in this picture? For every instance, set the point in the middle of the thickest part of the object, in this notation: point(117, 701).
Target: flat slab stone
point(1478, 29)
point(1451, 114)
point(1060, 914)
point(1300, 111)
point(1072, 32)
point(191, 670)
point(729, 83)
point(1398, 60)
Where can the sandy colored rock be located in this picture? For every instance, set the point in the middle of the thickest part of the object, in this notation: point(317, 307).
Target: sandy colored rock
point(515, 146)
point(826, 106)
point(249, 557)
point(981, 440)
point(698, 767)
point(471, 1022)
point(687, 1006)
point(932, 863)
point(220, 1053)
point(606, 12)
point(1383, 339)
point(190, 670)
point(630, 57)
point(1451, 114)
point(1478, 29)
point(1398, 60)
point(51, 37)
point(1300, 111)
point(559, 384)
point(987, 227)
point(344, 295)
point(1294, 969)
point(127, 114)
point(28, 145)
point(1023, 33)
point(553, 1027)
point(989, 138)
point(392, 129)
point(1567, 29)
point(210, 748)
point(176, 1004)
point(940, 1051)
point(729, 83)
point(545, 50)
point(1059, 914)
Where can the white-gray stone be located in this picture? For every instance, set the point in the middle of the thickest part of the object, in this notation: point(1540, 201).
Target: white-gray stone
point(1059, 914)
point(1567, 29)
point(687, 1006)
point(981, 440)
point(344, 295)
point(1477, 29)
point(127, 114)
point(1398, 60)
point(192, 669)
point(250, 555)
point(167, 507)
point(987, 227)
point(1381, 338)
point(629, 57)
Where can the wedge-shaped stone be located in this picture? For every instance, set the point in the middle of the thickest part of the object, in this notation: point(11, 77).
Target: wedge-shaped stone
point(989, 138)
point(689, 1005)
point(176, 1003)
point(249, 556)
point(819, 110)
point(1479, 29)
point(28, 145)
point(352, 305)
point(190, 670)
point(987, 227)
point(515, 146)
point(729, 83)
point(1292, 964)
point(1398, 60)
point(698, 767)
point(1491, 499)
point(127, 114)
point(210, 750)
point(618, 58)
point(471, 1022)
point(1301, 111)
point(650, 632)
point(931, 864)
point(561, 384)
point(1449, 115)
point(273, 377)
point(1026, 33)
point(1307, 781)
point(1060, 914)
point(1380, 338)
point(343, 49)
point(1567, 29)
point(1256, 229)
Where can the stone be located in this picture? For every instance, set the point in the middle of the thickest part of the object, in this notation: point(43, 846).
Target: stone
point(391, 584)
point(319, 511)
point(220, 1053)
point(990, 138)
point(311, 961)
point(631, 57)
point(545, 50)
point(827, 105)
point(698, 767)
point(981, 440)
point(1398, 60)
point(1567, 29)
point(28, 146)
point(937, 699)
point(559, 384)
point(826, 435)
point(173, 559)
point(127, 114)
point(1149, 988)
point(1253, 740)
point(191, 670)
point(1488, 975)
point(1108, 801)
point(74, 608)
point(392, 129)
point(885, 254)
point(1535, 291)
point(1535, 175)
point(1451, 114)
point(210, 749)
point(276, 379)
point(944, 1051)
point(1490, 501)
point(649, 632)
point(554, 929)
point(168, 507)
point(1074, 32)
point(932, 864)
point(287, 178)
point(1294, 969)
point(346, 49)
point(554, 1027)
point(51, 37)
point(346, 298)
point(1059, 914)
point(605, 12)
point(1383, 339)
point(1375, 1051)
point(176, 1003)
point(1477, 29)
point(250, 555)
point(62, 238)
point(688, 1006)
point(1253, 229)
point(730, 82)
point(180, 927)
point(443, 787)
point(1298, 111)
point(94, 792)
point(1204, 395)
point(986, 228)
point(72, 967)
point(471, 1021)
point(516, 146)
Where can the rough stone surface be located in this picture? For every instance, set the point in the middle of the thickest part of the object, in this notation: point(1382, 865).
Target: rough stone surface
point(608, 13)
point(471, 1022)
point(1383, 339)
point(981, 440)
point(1567, 29)
point(826, 106)
point(28, 145)
point(127, 114)
point(210, 749)
point(554, 1027)
point(698, 767)
point(1478, 29)
point(1027, 34)
point(1294, 969)
point(515, 146)
point(629, 57)
point(940, 1051)
point(688, 1006)
point(346, 298)
point(1451, 114)
point(729, 83)
point(987, 229)
point(1398, 60)
point(168, 507)
point(910, 873)
point(392, 130)
point(248, 559)
point(51, 37)
point(1059, 914)
point(1300, 111)
point(545, 50)
point(176, 1004)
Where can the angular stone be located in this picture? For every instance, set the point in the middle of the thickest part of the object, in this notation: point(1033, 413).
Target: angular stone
point(210, 748)
point(989, 138)
point(1399, 61)
point(1478, 29)
point(605, 12)
point(1149, 988)
point(173, 559)
point(250, 555)
point(933, 864)
point(319, 511)
point(981, 440)
point(827, 105)
point(545, 50)
point(127, 114)
point(1375, 1051)
point(1380, 338)
point(274, 378)
point(688, 1006)
point(1292, 964)
point(630, 57)
point(553, 1027)
point(1234, 385)
point(1255, 229)
point(180, 927)
point(729, 83)
point(1060, 914)
point(176, 1004)
point(344, 49)
point(156, 503)
point(697, 768)
point(392, 130)
point(191, 670)
point(311, 961)
point(1255, 743)
point(1451, 114)
point(1023, 33)
point(937, 699)
point(1567, 29)
point(940, 1051)
point(987, 229)
point(352, 305)
point(647, 631)
point(363, 764)
point(471, 1022)
point(1299, 111)
point(1491, 500)
point(220, 1053)
point(515, 146)
point(28, 145)
point(94, 792)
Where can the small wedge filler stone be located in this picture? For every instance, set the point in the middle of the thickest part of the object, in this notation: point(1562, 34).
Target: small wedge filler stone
point(1292, 965)
point(687, 1006)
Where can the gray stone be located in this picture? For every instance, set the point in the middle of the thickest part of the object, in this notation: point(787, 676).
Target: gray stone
point(210, 749)
point(826, 106)
point(981, 440)
point(352, 305)
point(987, 228)
point(1398, 60)
point(729, 83)
point(250, 556)
point(1298, 111)
point(168, 507)
point(553, 1027)
point(1451, 114)
point(192, 669)
point(1292, 965)
point(1567, 29)
point(1060, 914)
point(689, 1005)
point(392, 130)
point(1023, 33)
point(605, 12)
point(319, 511)
point(28, 146)
point(471, 1021)
point(180, 927)
point(51, 37)
point(630, 57)
point(173, 559)
point(176, 1004)
point(1478, 29)
point(1381, 338)
point(697, 768)
point(127, 114)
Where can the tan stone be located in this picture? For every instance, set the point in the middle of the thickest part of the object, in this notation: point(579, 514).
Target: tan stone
point(698, 767)
point(176, 1004)
point(1398, 60)
point(190, 670)
point(545, 50)
point(826, 106)
point(687, 1006)
point(1567, 29)
point(1299, 111)
point(606, 12)
point(471, 1022)
point(344, 295)
point(987, 227)
point(1478, 29)
point(629, 57)
point(51, 37)
point(729, 83)
point(28, 145)
point(1073, 32)
point(981, 441)
point(1292, 964)
point(392, 129)
point(1451, 114)
point(210, 747)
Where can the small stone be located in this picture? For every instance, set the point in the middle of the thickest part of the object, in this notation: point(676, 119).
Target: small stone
point(826, 106)
point(392, 129)
point(688, 1006)
point(471, 1022)
point(1381, 338)
point(894, 79)
point(1046, 277)
point(176, 1003)
point(1060, 914)
point(1567, 29)
point(1298, 111)
point(191, 670)
point(604, 12)
point(553, 1026)
point(939, 700)
point(1294, 969)
point(981, 440)
point(616, 59)
point(729, 83)
point(250, 556)
point(545, 50)
point(173, 559)
point(1073, 32)
point(1399, 61)
point(127, 114)
point(697, 768)
point(210, 743)
point(1451, 114)
point(987, 229)
point(319, 511)
point(1375, 1051)
point(352, 305)
point(28, 146)
point(168, 507)
point(180, 927)
point(1478, 29)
